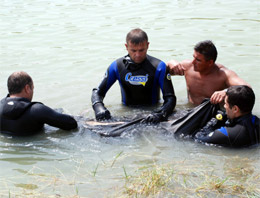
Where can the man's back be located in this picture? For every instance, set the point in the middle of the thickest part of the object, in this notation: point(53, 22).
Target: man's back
point(19, 116)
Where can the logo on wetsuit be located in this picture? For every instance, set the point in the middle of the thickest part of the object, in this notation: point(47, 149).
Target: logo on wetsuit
point(136, 80)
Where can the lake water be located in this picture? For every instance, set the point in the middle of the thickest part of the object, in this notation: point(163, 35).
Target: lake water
point(67, 45)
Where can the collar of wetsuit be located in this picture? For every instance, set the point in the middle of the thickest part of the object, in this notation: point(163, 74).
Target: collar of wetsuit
point(234, 121)
point(130, 65)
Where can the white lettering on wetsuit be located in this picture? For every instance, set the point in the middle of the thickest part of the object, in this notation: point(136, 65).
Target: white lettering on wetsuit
point(136, 80)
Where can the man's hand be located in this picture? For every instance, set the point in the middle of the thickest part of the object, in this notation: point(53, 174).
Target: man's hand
point(175, 68)
point(101, 112)
point(154, 118)
point(218, 97)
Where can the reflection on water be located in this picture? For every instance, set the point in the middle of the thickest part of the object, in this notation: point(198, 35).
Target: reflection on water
point(66, 47)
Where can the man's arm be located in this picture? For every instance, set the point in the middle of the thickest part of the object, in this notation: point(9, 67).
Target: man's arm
point(167, 91)
point(231, 136)
point(98, 94)
point(231, 79)
point(217, 137)
point(234, 79)
point(169, 97)
point(177, 68)
point(46, 115)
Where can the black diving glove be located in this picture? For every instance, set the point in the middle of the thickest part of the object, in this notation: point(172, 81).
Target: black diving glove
point(101, 111)
point(154, 118)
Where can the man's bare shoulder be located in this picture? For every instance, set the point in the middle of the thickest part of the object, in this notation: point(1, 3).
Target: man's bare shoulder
point(224, 70)
point(221, 67)
point(231, 78)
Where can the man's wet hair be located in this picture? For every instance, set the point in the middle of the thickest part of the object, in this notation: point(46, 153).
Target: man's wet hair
point(208, 49)
point(136, 36)
point(242, 96)
point(17, 81)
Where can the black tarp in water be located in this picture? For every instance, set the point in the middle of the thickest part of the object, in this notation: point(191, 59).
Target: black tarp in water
point(193, 120)
point(186, 125)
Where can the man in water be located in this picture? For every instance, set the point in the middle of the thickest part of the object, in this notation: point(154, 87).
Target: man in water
point(140, 77)
point(205, 78)
point(242, 128)
point(20, 116)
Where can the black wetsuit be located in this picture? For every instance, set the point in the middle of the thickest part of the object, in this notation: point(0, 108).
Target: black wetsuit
point(19, 116)
point(240, 132)
point(140, 83)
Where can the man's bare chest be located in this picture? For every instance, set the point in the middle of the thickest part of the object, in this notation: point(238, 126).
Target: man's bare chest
point(206, 84)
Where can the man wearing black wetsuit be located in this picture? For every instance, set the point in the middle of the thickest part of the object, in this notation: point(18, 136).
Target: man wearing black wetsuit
point(242, 128)
point(20, 116)
point(140, 77)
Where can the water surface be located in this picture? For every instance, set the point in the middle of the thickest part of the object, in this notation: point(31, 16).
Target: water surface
point(66, 47)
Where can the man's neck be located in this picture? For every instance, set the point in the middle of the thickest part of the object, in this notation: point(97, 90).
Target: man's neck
point(19, 95)
point(16, 96)
point(241, 115)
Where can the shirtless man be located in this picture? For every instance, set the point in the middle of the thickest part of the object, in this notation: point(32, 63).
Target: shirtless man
point(205, 78)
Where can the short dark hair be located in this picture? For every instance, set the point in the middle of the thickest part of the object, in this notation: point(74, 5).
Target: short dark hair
point(242, 96)
point(17, 81)
point(136, 36)
point(208, 49)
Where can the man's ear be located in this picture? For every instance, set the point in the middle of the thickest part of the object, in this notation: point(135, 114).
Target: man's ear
point(27, 88)
point(211, 62)
point(126, 46)
point(236, 109)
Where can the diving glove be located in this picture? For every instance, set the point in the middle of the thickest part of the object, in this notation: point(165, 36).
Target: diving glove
point(154, 118)
point(101, 111)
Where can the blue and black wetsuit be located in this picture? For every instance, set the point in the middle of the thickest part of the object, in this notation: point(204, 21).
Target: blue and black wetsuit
point(19, 116)
point(240, 132)
point(140, 83)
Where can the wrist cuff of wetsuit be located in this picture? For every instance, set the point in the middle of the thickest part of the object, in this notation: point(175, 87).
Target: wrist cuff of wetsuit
point(96, 103)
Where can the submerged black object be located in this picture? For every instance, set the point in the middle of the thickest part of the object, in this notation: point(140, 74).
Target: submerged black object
point(186, 125)
point(194, 119)
point(117, 131)
point(111, 129)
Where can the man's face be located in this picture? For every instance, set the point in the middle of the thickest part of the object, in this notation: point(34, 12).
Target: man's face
point(199, 62)
point(137, 52)
point(229, 110)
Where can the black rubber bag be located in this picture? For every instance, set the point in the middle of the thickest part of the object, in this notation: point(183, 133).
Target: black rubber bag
point(194, 119)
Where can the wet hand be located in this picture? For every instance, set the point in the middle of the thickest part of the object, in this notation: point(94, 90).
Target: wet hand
point(175, 68)
point(218, 97)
